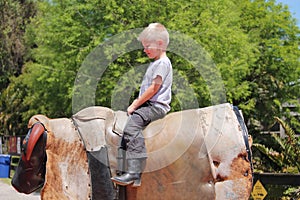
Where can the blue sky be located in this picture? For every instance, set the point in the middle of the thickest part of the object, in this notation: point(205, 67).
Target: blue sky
point(294, 6)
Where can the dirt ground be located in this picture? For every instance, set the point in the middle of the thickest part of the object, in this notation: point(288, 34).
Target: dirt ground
point(7, 192)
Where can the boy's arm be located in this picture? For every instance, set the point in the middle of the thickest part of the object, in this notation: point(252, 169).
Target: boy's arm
point(150, 92)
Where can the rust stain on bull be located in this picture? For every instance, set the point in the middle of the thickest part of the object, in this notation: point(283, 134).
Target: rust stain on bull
point(240, 166)
point(220, 178)
point(59, 151)
point(240, 169)
point(52, 185)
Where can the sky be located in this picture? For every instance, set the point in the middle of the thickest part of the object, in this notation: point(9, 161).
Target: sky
point(294, 6)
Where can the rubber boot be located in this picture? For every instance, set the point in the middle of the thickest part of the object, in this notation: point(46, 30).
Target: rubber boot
point(135, 169)
point(121, 162)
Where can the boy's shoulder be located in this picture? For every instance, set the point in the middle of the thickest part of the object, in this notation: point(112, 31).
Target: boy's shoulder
point(164, 60)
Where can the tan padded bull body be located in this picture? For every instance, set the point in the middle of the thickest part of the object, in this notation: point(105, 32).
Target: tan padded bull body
point(193, 154)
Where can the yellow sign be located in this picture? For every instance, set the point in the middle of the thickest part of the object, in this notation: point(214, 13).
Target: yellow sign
point(259, 192)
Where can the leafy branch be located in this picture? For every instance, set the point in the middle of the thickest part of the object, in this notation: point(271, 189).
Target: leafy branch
point(286, 156)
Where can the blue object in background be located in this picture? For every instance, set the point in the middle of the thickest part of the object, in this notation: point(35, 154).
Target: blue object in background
point(4, 166)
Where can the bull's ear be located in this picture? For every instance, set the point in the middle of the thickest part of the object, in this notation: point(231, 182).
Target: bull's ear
point(39, 118)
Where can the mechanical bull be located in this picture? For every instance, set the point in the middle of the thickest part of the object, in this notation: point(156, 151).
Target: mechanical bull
point(193, 154)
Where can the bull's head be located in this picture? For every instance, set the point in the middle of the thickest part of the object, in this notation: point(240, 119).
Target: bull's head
point(30, 173)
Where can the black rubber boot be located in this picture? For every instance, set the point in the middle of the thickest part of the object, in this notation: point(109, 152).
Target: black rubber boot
point(135, 169)
point(121, 162)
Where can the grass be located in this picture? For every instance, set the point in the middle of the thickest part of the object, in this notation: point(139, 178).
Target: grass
point(6, 180)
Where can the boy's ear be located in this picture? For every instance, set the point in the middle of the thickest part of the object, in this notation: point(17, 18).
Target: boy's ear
point(160, 42)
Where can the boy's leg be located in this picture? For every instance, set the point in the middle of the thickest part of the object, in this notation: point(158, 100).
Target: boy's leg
point(135, 143)
point(134, 139)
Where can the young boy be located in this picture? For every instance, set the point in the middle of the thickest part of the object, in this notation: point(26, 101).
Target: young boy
point(152, 103)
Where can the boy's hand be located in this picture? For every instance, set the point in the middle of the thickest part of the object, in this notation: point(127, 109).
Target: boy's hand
point(152, 90)
point(132, 107)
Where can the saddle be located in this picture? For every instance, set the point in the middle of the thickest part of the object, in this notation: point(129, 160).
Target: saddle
point(92, 120)
point(100, 129)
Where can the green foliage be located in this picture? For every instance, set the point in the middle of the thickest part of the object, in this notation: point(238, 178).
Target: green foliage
point(283, 156)
point(276, 67)
point(14, 17)
point(11, 103)
point(292, 192)
point(286, 156)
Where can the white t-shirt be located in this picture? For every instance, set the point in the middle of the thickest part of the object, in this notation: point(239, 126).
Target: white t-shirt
point(163, 68)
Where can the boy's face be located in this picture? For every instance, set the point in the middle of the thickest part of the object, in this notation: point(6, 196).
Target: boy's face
point(152, 49)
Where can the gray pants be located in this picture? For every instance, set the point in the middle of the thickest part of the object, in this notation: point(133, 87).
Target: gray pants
point(133, 141)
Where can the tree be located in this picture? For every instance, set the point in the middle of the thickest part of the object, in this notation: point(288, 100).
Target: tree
point(253, 44)
point(286, 156)
point(274, 75)
point(14, 17)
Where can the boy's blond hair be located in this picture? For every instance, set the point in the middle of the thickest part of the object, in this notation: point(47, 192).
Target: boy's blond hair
point(155, 32)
